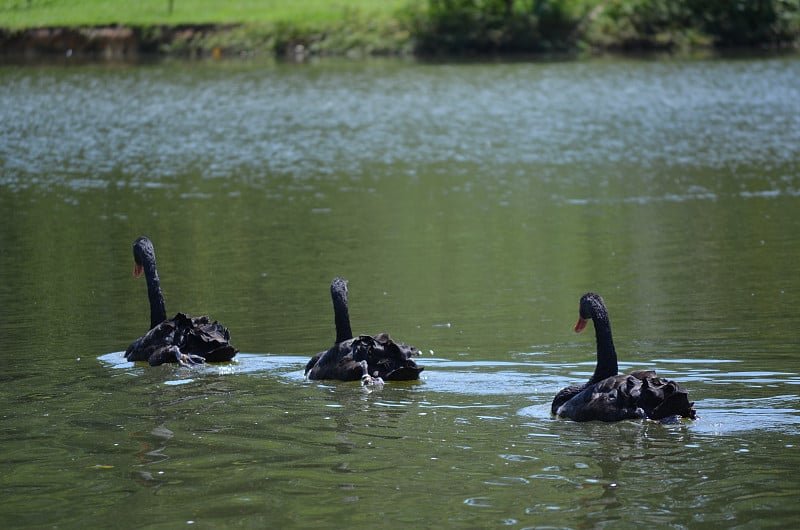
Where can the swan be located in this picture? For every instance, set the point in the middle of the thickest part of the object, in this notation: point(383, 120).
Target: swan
point(608, 396)
point(372, 359)
point(183, 339)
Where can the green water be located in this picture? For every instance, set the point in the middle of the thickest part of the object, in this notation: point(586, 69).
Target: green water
point(469, 206)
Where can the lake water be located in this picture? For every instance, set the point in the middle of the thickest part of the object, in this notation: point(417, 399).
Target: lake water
point(470, 206)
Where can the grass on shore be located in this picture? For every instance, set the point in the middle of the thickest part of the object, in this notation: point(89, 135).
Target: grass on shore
point(23, 14)
point(368, 27)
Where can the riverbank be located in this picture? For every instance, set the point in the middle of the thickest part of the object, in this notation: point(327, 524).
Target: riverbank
point(204, 27)
point(362, 28)
point(199, 40)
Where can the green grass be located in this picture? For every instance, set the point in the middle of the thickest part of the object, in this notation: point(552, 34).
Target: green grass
point(420, 26)
point(20, 14)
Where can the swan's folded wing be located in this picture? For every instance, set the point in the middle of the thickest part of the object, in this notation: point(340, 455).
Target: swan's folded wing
point(209, 340)
point(162, 336)
point(662, 398)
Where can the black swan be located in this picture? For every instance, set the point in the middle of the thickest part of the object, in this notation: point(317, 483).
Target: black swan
point(370, 359)
point(182, 339)
point(611, 397)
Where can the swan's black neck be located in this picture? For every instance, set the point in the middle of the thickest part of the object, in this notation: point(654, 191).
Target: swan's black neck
point(145, 255)
point(606, 353)
point(158, 311)
point(340, 311)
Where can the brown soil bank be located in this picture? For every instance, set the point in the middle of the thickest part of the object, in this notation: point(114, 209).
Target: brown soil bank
point(107, 41)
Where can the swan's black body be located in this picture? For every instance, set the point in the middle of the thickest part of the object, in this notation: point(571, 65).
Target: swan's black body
point(182, 339)
point(608, 396)
point(364, 357)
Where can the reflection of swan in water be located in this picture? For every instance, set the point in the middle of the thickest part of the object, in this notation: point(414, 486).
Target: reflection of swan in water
point(151, 449)
point(371, 359)
point(611, 397)
point(359, 419)
point(182, 339)
point(153, 444)
point(618, 457)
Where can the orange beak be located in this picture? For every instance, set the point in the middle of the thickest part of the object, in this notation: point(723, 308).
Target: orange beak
point(137, 270)
point(580, 324)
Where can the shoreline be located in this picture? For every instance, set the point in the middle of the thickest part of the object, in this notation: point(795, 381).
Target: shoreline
point(108, 42)
point(124, 42)
point(120, 41)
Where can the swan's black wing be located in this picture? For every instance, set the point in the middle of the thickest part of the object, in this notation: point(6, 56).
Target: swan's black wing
point(630, 396)
point(209, 340)
point(385, 358)
point(662, 398)
point(602, 401)
point(391, 360)
point(564, 395)
point(192, 336)
point(336, 363)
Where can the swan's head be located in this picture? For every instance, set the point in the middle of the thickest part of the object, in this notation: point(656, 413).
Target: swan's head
point(591, 306)
point(143, 252)
point(339, 285)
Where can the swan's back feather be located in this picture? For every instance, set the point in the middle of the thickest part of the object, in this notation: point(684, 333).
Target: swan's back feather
point(630, 396)
point(386, 358)
point(192, 335)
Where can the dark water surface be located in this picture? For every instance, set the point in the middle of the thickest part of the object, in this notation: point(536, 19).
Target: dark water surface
point(470, 206)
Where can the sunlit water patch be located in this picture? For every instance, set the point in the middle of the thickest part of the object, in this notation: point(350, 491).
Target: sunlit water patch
point(731, 416)
point(243, 363)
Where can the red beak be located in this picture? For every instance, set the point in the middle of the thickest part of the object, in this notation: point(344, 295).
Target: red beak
point(137, 270)
point(580, 324)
